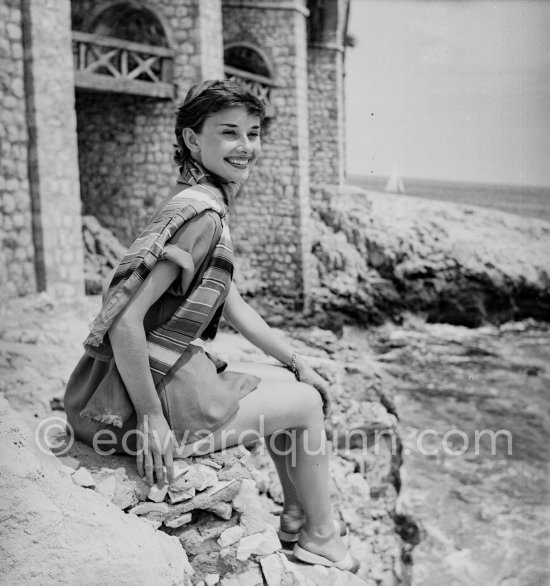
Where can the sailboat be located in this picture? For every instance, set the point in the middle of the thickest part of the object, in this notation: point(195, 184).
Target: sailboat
point(395, 183)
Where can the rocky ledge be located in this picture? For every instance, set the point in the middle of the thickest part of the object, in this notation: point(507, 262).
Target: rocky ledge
point(379, 255)
point(217, 524)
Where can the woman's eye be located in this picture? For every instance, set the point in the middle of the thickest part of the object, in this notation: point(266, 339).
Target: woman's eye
point(229, 132)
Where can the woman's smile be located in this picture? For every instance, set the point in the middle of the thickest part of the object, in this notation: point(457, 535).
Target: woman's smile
point(239, 163)
point(229, 143)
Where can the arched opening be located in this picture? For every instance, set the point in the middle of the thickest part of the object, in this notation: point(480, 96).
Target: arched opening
point(129, 22)
point(249, 65)
point(123, 58)
point(124, 48)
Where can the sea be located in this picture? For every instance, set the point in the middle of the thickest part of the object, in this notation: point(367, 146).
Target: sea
point(527, 201)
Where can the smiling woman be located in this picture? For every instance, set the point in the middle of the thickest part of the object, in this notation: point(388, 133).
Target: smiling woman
point(147, 390)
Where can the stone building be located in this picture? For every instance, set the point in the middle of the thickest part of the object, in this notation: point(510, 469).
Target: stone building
point(89, 89)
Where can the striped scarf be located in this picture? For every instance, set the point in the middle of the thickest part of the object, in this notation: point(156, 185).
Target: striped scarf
point(200, 311)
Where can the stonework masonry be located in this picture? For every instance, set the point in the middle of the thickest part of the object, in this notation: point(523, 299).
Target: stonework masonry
point(53, 168)
point(269, 223)
point(17, 275)
point(125, 142)
point(326, 114)
point(68, 150)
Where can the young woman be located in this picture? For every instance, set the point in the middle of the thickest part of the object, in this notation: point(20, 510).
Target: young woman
point(141, 385)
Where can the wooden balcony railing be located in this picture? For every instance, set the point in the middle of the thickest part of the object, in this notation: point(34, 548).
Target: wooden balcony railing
point(107, 64)
point(259, 85)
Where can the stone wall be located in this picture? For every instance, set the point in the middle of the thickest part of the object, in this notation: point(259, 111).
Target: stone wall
point(126, 142)
point(326, 114)
point(17, 275)
point(125, 152)
point(270, 218)
point(53, 169)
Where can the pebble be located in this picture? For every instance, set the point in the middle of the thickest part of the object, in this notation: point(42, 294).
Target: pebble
point(230, 536)
point(211, 579)
point(83, 478)
point(179, 521)
point(157, 494)
point(179, 496)
point(258, 543)
point(124, 496)
point(70, 461)
point(107, 487)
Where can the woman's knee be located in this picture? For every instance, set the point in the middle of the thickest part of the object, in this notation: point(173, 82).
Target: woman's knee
point(311, 403)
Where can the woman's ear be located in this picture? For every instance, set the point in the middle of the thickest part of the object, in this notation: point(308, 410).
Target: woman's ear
point(190, 139)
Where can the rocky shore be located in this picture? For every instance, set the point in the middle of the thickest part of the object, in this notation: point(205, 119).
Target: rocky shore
point(379, 255)
point(394, 262)
point(217, 525)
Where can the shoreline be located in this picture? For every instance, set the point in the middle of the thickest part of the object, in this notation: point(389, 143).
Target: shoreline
point(523, 200)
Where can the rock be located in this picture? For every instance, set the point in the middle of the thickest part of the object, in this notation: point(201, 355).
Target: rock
point(102, 252)
point(255, 519)
point(381, 255)
point(211, 463)
point(238, 470)
point(211, 579)
point(51, 528)
point(212, 490)
point(154, 519)
point(246, 494)
point(201, 477)
point(252, 576)
point(83, 478)
point(258, 543)
point(275, 572)
point(180, 467)
point(107, 488)
point(179, 496)
point(179, 521)
point(157, 494)
point(69, 461)
point(230, 536)
point(230, 456)
point(67, 470)
point(124, 496)
point(217, 503)
point(144, 508)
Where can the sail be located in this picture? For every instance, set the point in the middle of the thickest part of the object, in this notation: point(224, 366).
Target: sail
point(395, 183)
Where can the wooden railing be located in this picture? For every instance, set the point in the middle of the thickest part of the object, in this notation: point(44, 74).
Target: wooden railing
point(259, 85)
point(108, 64)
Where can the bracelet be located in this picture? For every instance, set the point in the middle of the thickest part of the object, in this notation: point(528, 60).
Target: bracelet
point(293, 368)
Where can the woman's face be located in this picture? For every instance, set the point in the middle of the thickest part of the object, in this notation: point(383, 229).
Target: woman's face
point(229, 143)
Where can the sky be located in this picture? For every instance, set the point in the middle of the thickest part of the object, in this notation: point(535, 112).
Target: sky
point(454, 90)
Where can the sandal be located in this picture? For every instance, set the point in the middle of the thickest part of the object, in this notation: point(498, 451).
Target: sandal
point(348, 563)
point(292, 536)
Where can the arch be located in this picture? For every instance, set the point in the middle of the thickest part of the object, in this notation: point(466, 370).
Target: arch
point(248, 57)
point(249, 65)
point(130, 20)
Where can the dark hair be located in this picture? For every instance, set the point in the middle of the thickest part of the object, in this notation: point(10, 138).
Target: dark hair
point(206, 98)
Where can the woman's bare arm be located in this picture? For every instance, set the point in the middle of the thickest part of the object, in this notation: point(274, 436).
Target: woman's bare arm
point(127, 336)
point(253, 327)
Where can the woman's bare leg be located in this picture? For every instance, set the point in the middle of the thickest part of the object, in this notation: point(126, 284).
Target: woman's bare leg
point(296, 407)
point(278, 445)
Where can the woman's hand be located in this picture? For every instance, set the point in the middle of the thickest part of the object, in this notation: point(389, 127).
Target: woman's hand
point(155, 446)
point(309, 376)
